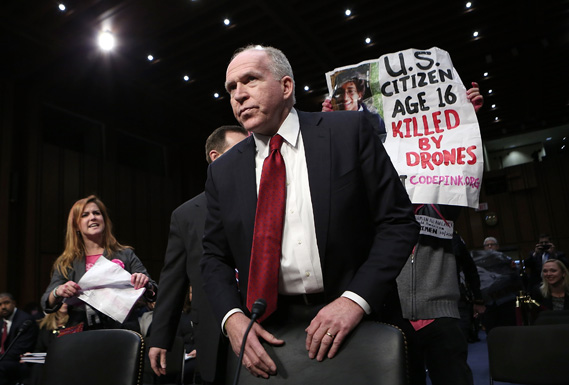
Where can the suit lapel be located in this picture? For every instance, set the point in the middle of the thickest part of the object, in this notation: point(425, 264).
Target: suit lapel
point(317, 151)
point(246, 184)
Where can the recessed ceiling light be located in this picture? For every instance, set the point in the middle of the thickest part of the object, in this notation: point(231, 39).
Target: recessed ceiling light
point(348, 12)
point(493, 106)
point(548, 138)
point(475, 34)
point(306, 88)
point(226, 22)
point(186, 78)
point(468, 4)
point(106, 41)
point(216, 95)
point(496, 118)
point(61, 7)
point(490, 91)
point(485, 74)
point(367, 40)
point(150, 57)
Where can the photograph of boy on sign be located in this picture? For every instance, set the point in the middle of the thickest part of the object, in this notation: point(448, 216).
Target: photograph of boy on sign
point(352, 92)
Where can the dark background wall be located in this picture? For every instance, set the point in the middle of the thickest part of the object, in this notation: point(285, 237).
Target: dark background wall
point(52, 156)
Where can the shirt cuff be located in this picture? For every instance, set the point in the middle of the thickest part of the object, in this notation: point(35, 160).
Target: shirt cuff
point(359, 300)
point(229, 314)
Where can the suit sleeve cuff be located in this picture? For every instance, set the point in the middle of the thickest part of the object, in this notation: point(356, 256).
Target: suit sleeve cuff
point(359, 300)
point(229, 314)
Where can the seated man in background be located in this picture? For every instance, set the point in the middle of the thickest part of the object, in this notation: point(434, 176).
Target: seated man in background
point(500, 283)
point(491, 243)
point(19, 332)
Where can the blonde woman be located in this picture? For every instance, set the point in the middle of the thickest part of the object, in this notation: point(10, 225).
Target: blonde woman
point(554, 289)
point(88, 237)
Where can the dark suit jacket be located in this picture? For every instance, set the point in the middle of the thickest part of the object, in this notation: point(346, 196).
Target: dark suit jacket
point(26, 341)
point(181, 267)
point(365, 226)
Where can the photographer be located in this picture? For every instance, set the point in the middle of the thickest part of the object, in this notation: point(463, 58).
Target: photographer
point(544, 250)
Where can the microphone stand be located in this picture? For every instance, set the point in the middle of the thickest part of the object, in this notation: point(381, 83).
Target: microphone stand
point(257, 310)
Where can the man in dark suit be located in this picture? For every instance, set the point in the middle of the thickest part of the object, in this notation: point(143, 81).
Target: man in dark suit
point(181, 268)
point(348, 225)
point(12, 322)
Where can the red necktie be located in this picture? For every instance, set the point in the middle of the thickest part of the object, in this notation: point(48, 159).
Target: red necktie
point(268, 232)
point(4, 335)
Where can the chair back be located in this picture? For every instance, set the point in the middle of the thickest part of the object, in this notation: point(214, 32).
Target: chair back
point(551, 317)
point(374, 353)
point(534, 355)
point(95, 357)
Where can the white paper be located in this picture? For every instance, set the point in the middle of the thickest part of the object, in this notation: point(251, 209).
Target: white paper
point(33, 358)
point(107, 288)
point(432, 132)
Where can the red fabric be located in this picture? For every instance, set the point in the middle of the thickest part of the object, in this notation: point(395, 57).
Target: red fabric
point(72, 329)
point(4, 335)
point(267, 236)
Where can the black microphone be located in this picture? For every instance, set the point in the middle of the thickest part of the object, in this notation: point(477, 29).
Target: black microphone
point(23, 327)
point(257, 310)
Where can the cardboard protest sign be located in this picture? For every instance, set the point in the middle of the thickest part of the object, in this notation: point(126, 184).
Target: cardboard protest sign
point(433, 137)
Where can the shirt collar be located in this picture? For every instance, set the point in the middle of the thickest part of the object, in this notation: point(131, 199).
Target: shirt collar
point(289, 130)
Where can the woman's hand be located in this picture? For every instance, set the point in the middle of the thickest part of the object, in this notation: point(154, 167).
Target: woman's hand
point(138, 280)
point(327, 105)
point(67, 290)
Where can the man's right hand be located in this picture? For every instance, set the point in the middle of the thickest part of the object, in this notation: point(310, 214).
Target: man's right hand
point(157, 358)
point(255, 358)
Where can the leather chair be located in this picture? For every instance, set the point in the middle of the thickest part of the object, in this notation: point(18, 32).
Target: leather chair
point(95, 357)
point(535, 355)
point(374, 353)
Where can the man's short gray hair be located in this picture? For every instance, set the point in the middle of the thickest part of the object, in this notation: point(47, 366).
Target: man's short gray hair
point(279, 64)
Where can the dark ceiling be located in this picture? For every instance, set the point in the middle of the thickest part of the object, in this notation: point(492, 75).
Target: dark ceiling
point(523, 45)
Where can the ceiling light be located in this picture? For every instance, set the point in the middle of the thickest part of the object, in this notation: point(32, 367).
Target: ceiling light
point(475, 34)
point(61, 7)
point(493, 106)
point(306, 88)
point(348, 12)
point(496, 118)
point(106, 41)
point(216, 95)
point(186, 78)
point(490, 91)
point(150, 57)
point(485, 74)
point(469, 4)
point(548, 138)
point(226, 22)
point(367, 40)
